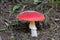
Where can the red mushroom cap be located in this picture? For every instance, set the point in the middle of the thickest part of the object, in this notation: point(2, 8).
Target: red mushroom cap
point(30, 16)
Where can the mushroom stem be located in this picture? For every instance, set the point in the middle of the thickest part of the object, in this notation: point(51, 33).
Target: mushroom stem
point(33, 29)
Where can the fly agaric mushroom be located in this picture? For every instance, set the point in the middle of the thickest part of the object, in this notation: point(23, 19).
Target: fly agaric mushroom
point(31, 16)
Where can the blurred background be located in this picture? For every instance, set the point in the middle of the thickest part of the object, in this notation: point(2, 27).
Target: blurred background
point(13, 29)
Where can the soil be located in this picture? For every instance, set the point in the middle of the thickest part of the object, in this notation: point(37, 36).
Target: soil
point(16, 32)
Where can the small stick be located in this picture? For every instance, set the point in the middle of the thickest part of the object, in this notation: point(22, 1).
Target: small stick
point(57, 19)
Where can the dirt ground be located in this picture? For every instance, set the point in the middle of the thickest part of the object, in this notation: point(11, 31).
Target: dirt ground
point(51, 31)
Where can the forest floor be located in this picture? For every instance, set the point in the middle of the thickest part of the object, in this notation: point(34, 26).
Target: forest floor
point(12, 33)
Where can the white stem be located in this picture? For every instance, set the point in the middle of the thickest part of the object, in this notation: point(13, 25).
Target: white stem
point(33, 29)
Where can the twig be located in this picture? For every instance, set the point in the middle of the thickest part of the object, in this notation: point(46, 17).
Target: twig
point(51, 17)
point(0, 38)
point(55, 22)
point(4, 19)
point(48, 11)
point(46, 16)
point(57, 19)
point(23, 8)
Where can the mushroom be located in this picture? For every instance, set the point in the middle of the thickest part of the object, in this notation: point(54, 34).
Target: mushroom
point(31, 16)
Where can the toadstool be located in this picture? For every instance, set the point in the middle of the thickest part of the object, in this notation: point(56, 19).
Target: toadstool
point(31, 16)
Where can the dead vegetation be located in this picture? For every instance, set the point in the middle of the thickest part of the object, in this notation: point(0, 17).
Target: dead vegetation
point(13, 29)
